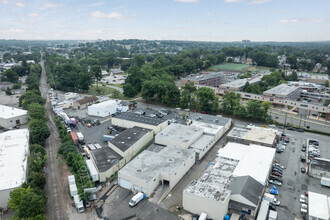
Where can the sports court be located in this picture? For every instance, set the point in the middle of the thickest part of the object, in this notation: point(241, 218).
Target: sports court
point(230, 66)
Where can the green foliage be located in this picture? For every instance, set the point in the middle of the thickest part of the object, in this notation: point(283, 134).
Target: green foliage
point(36, 162)
point(37, 180)
point(38, 131)
point(230, 102)
point(327, 102)
point(31, 96)
point(188, 96)
point(9, 75)
point(326, 84)
point(31, 205)
point(36, 111)
point(207, 100)
point(8, 91)
point(15, 197)
point(17, 86)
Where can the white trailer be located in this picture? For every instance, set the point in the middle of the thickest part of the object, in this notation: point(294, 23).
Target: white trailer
point(73, 190)
point(71, 179)
point(325, 181)
point(92, 170)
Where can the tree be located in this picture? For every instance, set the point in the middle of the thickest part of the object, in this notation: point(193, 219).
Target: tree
point(207, 100)
point(97, 73)
point(115, 94)
point(326, 84)
point(8, 91)
point(129, 90)
point(230, 102)
point(15, 197)
point(36, 111)
point(139, 60)
point(36, 162)
point(10, 75)
point(36, 179)
point(31, 205)
point(31, 96)
point(38, 131)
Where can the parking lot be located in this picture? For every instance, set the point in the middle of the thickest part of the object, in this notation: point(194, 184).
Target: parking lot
point(116, 207)
point(295, 182)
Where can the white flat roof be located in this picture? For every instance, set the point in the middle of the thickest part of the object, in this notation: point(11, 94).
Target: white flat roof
point(91, 167)
point(149, 164)
point(14, 149)
point(256, 162)
point(263, 135)
point(208, 128)
point(105, 104)
point(233, 151)
point(318, 205)
point(7, 112)
point(180, 133)
point(201, 143)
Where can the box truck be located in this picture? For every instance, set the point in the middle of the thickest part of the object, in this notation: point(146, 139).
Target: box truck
point(78, 203)
point(271, 198)
point(74, 137)
point(80, 137)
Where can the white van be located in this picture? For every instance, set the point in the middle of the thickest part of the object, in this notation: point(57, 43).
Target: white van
point(203, 216)
point(136, 199)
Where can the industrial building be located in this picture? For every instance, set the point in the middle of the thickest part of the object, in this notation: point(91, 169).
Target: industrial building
point(254, 135)
point(129, 120)
point(105, 161)
point(207, 79)
point(178, 135)
point(235, 180)
point(131, 141)
point(212, 125)
point(150, 169)
point(84, 102)
point(284, 91)
point(238, 84)
point(318, 206)
point(320, 169)
point(106, 108)
point(10, 117)
point(14, 151)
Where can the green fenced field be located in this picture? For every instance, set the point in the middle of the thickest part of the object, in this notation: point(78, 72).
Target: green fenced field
point(230, 66)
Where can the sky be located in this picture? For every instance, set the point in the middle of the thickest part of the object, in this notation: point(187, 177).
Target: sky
point(196, 20)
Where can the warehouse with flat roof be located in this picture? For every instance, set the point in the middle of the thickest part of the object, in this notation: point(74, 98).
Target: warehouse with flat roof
point(254, 135)
point(10, 117)
point(284, 91)
point(238, 84)
point(318, 206)
point(129, 120)
point(208, 79)
point(235, 180)
point(151, 169)
point(14, 151)
point(130, 141)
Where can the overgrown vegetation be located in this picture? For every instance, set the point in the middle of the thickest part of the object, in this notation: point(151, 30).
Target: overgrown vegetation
point(74, 160)
point(29, 201)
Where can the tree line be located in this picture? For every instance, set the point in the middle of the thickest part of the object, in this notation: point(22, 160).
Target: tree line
point(29, 200)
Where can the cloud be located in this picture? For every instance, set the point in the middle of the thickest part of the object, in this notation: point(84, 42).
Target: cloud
point(209, 13)
point(318, 20)
point(33, 15)
point(286, 21)
point(258, 2)
point(95, 4)
point(51, 5)
point(186, 1)
point(114, 15)
point(231, 1)
point(20, 4)
point(4, 2)
point(12, 31)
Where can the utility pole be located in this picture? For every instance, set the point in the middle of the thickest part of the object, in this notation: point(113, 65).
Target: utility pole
point(286, 114)
point(299, 120)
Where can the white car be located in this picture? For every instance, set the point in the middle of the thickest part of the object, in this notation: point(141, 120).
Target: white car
point(275, 182)
point(272, 126)
point(303, 208)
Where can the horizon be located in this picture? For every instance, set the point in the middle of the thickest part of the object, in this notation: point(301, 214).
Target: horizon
point(176, 20)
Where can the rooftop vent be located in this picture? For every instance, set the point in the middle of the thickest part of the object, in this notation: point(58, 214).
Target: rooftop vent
point(128, 138)
point(109, 161)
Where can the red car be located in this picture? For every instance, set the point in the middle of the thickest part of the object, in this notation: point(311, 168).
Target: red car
point(276, 174)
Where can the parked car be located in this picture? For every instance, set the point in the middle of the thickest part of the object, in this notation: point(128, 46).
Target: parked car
point(275, 182)
point(303, 170)
point(152, 115)
point(275, 178)
point(302, 198)
point(278, 171)
point(272, 207)
point(272, 126)
point(276, 174)
point(300, 130)
point(280, 127)
point(303, 158)
point(291, 128)
point(279, 150)
point(278, 165)
point(303, 208)
point(303, 148)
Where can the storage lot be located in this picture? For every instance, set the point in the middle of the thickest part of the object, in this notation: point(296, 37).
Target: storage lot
point(295, 182)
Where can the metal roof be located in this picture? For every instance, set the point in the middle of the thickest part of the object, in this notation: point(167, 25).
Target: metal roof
point(129, 116)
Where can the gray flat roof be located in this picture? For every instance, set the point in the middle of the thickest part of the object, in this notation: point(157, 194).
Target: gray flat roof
point(129, 137)
point(129, 116)
point(211, 119)
point(205, 76)
point(105, 158)
point(215, 181)
point(149, 164)
point(238, 83)
point(180, 133)
point(282, 89)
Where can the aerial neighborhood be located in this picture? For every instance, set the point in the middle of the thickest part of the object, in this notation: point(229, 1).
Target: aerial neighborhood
point(186, 127)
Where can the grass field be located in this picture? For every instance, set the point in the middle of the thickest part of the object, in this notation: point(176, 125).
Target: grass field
point(103, 90)
point(230, 66)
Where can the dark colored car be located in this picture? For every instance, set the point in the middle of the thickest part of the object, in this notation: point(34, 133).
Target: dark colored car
point(276, 174)
point(291, 128)
point(277, 170)
point(303, 158)
point(300, 130)
point(303, 170)
point(272, 207)
point(275, 178)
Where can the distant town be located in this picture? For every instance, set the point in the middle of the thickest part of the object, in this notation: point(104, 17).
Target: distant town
point(151, 129)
